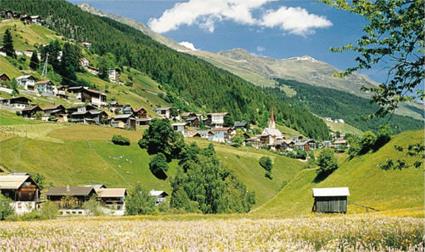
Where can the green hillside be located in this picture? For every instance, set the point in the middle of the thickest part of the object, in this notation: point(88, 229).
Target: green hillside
point(343, 128)
point(82, 154)
point(143, 92)
point(27, 36)
point(183, 77)
point(388, 191)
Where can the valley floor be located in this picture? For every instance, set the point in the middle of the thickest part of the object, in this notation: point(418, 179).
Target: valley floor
point(219, 233)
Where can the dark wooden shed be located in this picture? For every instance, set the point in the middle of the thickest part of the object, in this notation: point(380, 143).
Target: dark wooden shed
point(330, 200)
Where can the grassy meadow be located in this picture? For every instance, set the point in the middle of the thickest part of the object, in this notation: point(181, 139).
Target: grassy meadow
point(396, 192)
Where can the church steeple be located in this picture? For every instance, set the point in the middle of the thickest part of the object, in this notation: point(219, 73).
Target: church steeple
point(272, 122)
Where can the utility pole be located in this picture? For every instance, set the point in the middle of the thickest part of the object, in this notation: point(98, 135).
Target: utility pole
point(44, 72)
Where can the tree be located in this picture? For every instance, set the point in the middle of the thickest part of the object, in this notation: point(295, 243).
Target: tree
point(5, 208)
point(39, 179)
point(267, 164)
point(52, 52)
point(238, 139)
point(8, 44)
point(394, 36)
point(139, 202)
point(34, 62)
point(159, 166)
point(327, 162)
point(106, 63)
point(367, 142)
point(70, 63)
point(14, 86)
point(383, 136)
point(203, 185)
point(161, 138)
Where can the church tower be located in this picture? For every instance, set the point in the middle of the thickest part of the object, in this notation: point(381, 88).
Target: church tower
point(272, 122)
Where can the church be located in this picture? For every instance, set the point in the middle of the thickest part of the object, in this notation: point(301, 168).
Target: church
point(271, 136)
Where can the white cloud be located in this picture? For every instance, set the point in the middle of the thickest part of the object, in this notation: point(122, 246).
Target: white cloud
point(294, 20)
point(205, 13)
point(188, 45)
point(260, 49)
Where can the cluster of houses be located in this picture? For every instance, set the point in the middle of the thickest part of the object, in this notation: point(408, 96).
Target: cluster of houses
point(25, 196)
point(27, 19)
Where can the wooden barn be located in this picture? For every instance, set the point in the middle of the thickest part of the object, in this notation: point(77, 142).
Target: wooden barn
point(330, 200)
point(22, 190)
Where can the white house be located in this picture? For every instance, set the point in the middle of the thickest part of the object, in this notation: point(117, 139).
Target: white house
point(158, 195)
point(164, 112)
point(216, 120)
point(22, 190)
point(89, 95)
point(179, 127)
point(113, 200)
point(27, 82)
point(113, 75)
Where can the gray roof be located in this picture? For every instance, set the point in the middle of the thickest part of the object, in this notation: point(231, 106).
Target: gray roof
point(70, 191)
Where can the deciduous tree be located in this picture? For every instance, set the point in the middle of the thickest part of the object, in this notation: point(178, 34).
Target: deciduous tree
point(394, 36)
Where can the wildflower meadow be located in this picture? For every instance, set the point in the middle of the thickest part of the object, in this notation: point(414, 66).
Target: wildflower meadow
point(351, 233)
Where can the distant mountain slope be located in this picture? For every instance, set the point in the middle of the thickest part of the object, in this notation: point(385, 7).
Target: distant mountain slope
point(327, 102)
point(261, 70)
point(371, 186)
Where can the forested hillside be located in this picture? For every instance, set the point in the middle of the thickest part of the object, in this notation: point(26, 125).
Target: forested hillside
point(191, 83)
point(353, 109)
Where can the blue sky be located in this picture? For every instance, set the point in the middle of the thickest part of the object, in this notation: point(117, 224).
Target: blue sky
point(275, 28)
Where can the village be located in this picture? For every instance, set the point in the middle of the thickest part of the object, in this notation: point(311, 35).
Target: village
point(92, 106)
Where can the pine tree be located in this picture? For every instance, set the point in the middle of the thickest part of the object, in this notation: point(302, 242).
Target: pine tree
point(8, 44)
point(70, 62)
point(34, 62)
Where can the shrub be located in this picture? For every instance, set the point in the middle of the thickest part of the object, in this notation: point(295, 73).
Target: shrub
point(5, 208)
point(161, 138)
point(139, 202)
point(120, 140)
point(93, 206)
point(266, 163)
point(49, 210)
point(159, 166)
point(327, 162)
point(237, 141)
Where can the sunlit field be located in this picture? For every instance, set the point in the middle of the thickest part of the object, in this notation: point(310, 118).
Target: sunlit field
point(360, 233)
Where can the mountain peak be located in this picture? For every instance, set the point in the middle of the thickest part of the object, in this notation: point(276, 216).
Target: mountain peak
point(304, 58)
